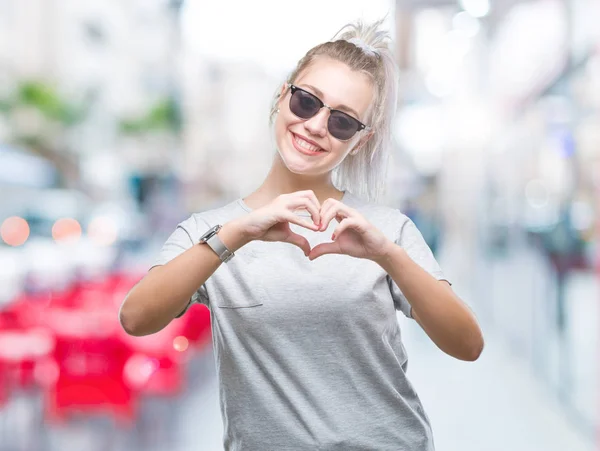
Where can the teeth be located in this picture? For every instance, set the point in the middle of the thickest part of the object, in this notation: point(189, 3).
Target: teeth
point(306, 145)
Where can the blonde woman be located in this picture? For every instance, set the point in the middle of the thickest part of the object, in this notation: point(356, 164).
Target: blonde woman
point(303, 277)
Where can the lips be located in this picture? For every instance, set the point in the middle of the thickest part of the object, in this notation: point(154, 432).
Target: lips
point(305, 145)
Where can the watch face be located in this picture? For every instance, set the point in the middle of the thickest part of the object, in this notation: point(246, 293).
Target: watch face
point(210, 232)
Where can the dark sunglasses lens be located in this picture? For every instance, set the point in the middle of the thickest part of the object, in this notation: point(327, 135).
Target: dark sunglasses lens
point(304, 105)
point(342, 126)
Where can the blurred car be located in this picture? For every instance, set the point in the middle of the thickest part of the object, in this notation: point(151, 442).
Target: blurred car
point(68, 237)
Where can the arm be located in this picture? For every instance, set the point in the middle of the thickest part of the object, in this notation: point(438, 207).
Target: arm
point(165, 291)
point(439, 311)
point(443, 316)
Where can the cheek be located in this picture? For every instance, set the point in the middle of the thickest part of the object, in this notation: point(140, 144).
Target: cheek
point(280, 129)
point(342, 148)
point(281, 126)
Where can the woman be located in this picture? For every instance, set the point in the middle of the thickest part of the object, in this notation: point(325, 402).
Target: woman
point(307, 343)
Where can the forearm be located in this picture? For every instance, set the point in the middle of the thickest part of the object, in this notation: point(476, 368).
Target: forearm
point(444, 316)
point(165, 291)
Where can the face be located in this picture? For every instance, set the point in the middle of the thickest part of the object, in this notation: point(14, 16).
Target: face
point(305, 145)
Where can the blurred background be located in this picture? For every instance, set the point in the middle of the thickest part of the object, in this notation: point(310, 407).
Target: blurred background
point(118, 119)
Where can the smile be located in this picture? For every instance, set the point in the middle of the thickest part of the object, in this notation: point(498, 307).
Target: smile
point(304, 146)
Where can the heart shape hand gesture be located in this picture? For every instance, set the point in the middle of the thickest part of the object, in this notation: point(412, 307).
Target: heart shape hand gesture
point(354, 235)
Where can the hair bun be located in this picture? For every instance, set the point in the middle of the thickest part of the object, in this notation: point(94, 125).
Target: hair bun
point(368, 49)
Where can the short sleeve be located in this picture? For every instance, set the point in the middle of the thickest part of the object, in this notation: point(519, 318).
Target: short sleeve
point(180, 241)
point(412, 241)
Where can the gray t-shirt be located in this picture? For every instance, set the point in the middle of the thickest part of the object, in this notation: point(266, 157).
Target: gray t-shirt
point(309, 355)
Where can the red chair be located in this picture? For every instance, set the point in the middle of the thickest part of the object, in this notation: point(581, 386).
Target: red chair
point(20, 351)
point(157, 363)
point(90, 358)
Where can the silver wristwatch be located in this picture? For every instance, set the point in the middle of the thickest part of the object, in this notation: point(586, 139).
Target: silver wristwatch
point(212, 239)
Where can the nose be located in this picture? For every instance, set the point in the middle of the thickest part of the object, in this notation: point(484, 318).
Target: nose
point(317, 125)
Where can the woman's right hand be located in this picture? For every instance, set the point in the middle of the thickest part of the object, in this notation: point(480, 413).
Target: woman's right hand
point(272, 221)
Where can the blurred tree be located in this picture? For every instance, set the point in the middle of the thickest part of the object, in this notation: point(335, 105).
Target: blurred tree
point(164, 115)
point(43, 97)
point(162, 119)
point(40, 119)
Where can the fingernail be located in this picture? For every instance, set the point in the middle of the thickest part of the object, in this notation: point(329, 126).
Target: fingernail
point(333, 236)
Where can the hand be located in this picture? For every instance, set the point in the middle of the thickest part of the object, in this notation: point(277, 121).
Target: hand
point(354, 235)
point(271, 222)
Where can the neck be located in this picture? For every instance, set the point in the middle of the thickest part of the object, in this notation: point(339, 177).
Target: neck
point(280, 180)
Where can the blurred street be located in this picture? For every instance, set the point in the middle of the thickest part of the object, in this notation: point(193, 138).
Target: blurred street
point(121, 118)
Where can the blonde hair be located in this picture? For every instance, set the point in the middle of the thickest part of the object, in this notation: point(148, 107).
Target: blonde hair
point(363, 174)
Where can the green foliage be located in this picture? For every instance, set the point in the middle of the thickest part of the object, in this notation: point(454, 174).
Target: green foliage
point(163, 116)
point(45, 98)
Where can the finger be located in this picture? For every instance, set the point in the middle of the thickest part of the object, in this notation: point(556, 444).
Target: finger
point(300, 241)
point(324, 248)
point(334, 209)
point(310, 195)
point(326, 213)
point(347, 223)
point(305, 202)
point(307, 194)
point(292, 218)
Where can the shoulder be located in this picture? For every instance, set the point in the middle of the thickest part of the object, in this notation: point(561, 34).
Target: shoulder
point(197, 223)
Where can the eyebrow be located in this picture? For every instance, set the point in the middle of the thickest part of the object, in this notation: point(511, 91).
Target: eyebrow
point(339, 107)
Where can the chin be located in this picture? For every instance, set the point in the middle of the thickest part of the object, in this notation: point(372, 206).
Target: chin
point(295, 161)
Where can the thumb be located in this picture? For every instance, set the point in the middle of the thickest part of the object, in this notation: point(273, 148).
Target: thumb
point(300, 241)
point(324, 248)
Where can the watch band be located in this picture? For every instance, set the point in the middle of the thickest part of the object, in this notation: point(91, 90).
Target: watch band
point(212, 239)
point(220, 249)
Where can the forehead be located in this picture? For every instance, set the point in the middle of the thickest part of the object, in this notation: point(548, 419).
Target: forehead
point(338, 84)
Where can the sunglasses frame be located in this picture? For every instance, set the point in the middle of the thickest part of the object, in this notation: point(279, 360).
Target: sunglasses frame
point(293, 88)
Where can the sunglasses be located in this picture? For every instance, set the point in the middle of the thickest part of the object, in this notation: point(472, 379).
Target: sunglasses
point(341, 125)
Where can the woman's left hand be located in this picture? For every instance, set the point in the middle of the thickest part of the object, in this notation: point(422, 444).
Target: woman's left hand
point(354, 235)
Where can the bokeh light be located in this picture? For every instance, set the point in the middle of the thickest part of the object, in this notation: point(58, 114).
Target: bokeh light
point(102, 230)
point(14, 231)
point(180, 343)
point(138, 369)
point(66, 229)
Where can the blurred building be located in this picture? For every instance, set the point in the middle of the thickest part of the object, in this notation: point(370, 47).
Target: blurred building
point(228, 146)
point(114, 60)
point(504, 122)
